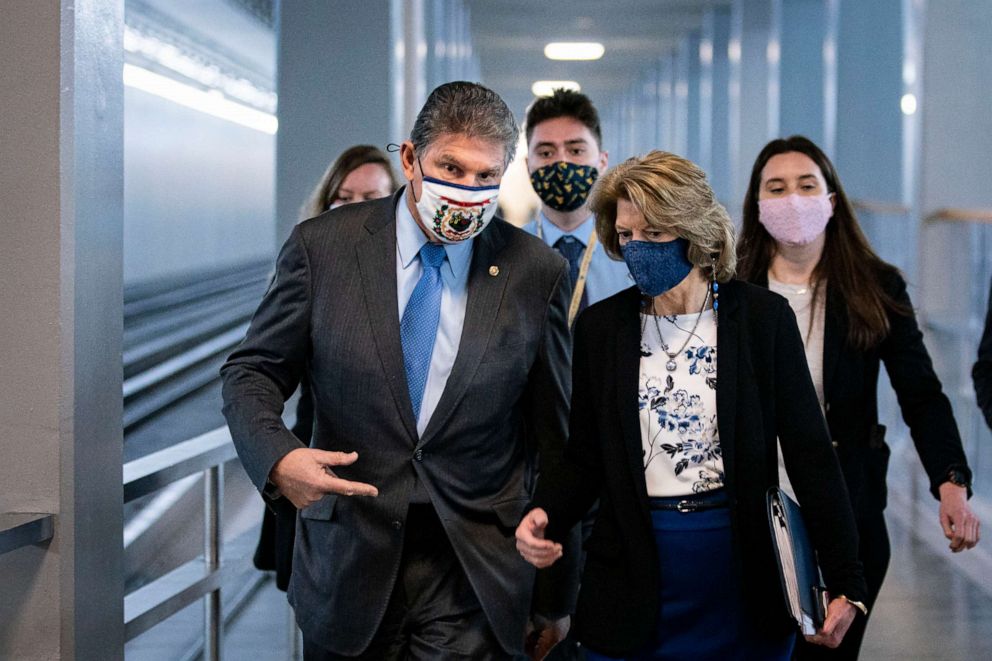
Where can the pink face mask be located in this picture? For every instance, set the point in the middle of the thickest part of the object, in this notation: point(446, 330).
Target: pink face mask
point(795, 219)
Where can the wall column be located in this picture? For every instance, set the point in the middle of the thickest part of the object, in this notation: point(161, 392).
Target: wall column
point(802, 70)
point(61, 224)
point(321, 111)
point(714, 102)
point(754, 53)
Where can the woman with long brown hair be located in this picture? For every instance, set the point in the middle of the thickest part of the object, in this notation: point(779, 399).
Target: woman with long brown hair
point(801, 238)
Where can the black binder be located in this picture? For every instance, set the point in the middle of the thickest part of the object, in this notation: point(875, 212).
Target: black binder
point(802, 585)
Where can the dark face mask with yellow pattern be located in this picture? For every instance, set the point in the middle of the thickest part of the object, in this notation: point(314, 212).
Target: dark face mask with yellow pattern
point(564, 186)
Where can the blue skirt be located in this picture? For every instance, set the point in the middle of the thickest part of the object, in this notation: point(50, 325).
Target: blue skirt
point(701, 615)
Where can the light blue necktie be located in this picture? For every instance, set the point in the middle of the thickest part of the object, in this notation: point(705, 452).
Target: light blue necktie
point(418, 327)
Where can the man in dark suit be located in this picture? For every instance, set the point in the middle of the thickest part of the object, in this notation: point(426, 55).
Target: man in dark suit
point(439, 354)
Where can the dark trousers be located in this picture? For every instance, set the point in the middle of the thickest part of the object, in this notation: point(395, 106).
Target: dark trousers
point(433, 612)
point(874, 552)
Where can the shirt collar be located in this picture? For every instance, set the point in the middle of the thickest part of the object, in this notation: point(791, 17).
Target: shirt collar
point(410, 238)
point(552, 232)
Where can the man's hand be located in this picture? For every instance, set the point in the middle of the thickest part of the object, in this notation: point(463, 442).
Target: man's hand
point(840, 614)
point(533, 547)
point(304, 476)
point(958, 521)
point(543, 634)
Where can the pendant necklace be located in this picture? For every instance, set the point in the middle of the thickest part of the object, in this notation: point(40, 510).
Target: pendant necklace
point(671, 365)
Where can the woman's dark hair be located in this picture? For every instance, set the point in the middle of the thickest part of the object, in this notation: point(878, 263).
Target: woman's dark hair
point(848, 262)
point(329, 185)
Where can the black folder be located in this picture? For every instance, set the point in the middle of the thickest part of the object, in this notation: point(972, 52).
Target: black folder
point(802, 586)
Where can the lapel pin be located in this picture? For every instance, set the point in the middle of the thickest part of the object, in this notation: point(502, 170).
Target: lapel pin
point(494, 270)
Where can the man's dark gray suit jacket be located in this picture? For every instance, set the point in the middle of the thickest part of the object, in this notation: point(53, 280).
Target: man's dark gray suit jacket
point(331, 312)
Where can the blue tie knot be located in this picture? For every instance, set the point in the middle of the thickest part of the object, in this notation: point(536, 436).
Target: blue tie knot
point(432, 255)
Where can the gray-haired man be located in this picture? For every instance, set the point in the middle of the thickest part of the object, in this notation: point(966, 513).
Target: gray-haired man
point(438, 352)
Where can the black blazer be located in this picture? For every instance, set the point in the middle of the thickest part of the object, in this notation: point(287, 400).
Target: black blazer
point(850, 390)
point(331, 312)
point(763, 391)
point(981, 373)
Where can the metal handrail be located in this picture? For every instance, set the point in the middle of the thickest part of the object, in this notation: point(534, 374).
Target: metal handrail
point(200, 578)
point(881, 207)
point(958, 215)
point(157, 470)
point(18, 530)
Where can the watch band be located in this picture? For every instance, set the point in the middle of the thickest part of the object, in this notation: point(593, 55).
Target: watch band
point(958, 478)
point(857, 604)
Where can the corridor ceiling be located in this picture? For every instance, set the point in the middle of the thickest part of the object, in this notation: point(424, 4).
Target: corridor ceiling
point(509, 36)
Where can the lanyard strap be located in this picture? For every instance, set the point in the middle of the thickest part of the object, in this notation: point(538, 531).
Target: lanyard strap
point(580, 282)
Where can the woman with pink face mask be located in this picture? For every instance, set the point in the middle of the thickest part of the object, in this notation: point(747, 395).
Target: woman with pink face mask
point(801, 239)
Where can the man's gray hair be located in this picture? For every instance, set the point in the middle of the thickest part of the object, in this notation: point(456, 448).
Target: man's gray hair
point(469, 109)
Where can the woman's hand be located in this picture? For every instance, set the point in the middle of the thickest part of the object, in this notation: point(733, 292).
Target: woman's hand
point(840, 614)
point(533, 547)
point(956, 518)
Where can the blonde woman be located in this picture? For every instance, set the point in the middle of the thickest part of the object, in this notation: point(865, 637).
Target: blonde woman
point(681, 385)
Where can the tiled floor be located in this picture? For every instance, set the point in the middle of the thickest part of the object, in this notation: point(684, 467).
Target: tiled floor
point(927, 609)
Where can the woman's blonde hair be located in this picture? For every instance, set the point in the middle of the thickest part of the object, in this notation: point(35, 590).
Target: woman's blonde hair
point(674, 196)
point(326, 190)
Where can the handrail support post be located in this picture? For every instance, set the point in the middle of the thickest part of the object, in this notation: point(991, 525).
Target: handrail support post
point(213, 492)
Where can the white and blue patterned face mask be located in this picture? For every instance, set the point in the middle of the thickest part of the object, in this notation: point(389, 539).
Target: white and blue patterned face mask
point(657, 266)
point(453, 213)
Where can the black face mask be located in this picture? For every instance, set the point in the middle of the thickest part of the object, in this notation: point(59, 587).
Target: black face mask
point(564, 186)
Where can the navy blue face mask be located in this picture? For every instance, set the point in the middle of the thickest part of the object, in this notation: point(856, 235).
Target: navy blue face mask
point(657, 267)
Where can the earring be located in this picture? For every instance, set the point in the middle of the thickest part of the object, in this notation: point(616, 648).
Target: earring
point(714, 287)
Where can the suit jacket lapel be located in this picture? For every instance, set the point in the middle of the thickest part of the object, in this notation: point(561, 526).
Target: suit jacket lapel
point(728, 339)
point(376, 255)
point(834, 333)
point(628, 362)
point(485, 293)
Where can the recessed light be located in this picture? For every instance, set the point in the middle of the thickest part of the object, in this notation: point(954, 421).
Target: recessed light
point(908, 104)
point(574, 50)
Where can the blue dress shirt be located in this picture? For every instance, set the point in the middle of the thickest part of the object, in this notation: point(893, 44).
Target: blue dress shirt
point(606, 276)
point(454, 296)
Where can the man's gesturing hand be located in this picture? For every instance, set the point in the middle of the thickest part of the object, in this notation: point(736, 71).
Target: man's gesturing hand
point(304, 476)
point(533, 547)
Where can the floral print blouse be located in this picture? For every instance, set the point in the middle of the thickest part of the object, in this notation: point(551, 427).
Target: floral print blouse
point(677, 405)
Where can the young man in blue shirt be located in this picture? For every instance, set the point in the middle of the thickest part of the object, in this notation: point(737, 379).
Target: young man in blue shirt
point(564, 158)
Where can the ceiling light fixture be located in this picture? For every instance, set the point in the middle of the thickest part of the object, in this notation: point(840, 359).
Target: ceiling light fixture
point(574, 50)
point(211, 102)
point(547, 87)
point(908, 104)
